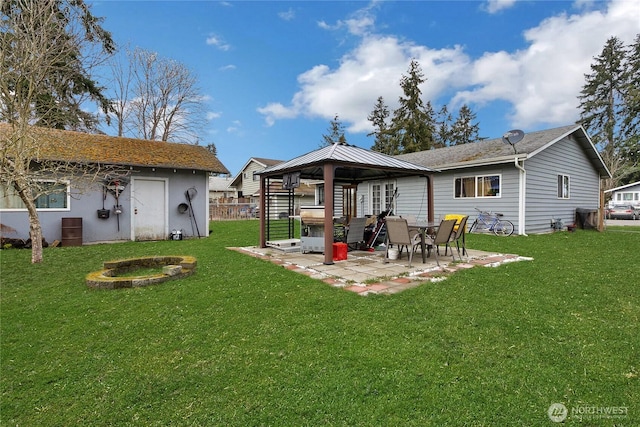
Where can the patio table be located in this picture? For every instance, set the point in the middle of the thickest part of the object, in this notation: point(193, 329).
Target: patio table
point(424, 227)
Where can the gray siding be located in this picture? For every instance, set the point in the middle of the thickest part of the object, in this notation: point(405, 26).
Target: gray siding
point(94, 229)
point(542, 204)
point(506, 203)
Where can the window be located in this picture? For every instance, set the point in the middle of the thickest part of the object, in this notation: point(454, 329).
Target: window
point(381, 197)
point(563, 187)
point(477, 186)
point(56, 196)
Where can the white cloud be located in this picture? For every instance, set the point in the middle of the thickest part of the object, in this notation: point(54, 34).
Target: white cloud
point(211, 115)
point(361, 22)
point(494, 6)
point(541, 82)
point(217, 41)
point(288, 15)
point(227, 67)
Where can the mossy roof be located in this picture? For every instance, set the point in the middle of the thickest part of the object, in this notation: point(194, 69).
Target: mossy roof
point(70, 146)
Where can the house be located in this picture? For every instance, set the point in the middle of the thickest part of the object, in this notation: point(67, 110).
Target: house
point(625, 195)
point(162, 187)
point(247, 184)
point(535, 182)
point(219, 189)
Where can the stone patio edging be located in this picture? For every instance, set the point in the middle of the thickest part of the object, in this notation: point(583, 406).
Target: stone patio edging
point(389, 285)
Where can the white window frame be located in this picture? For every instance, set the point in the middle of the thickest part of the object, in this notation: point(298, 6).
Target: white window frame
point(67, 194)
point(477, 180)
point(564, 187)
point(380, 194)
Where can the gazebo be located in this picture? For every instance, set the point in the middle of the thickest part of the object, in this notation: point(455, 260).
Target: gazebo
point(339, 163)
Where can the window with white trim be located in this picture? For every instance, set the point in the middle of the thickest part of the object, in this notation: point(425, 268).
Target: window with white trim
point(381, 197)
point(55, 196)
point(477, 186)
point(563, 186)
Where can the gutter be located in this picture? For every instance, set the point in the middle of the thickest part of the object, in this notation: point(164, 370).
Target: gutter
point(522, 193)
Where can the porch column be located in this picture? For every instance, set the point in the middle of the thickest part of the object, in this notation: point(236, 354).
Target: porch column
point(328, 172)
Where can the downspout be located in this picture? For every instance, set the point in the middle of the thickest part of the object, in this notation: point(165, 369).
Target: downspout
point(522, 197)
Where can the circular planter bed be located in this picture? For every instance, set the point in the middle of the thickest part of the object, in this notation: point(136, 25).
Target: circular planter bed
point(121, 273)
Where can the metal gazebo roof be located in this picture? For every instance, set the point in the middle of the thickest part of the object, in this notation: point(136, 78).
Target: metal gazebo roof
point(351, 162)
point(341, 162)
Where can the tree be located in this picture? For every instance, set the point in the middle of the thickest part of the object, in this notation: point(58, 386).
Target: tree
point(47, 48)
point(383, 142)
point(610, 108)
point(156, 98)
point(463, 130)
point(412, 126)
point(335, 135)
point(444, 122)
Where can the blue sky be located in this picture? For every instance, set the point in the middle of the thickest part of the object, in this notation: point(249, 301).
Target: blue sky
point(275, 73)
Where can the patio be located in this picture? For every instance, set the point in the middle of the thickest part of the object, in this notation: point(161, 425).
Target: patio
point(366, 272)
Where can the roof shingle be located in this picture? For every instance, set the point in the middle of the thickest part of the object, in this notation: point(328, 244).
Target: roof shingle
point(70, 146)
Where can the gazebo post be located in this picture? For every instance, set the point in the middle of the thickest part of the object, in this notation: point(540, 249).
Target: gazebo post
point(263, 205)
point(430, 207)
point(328, 172)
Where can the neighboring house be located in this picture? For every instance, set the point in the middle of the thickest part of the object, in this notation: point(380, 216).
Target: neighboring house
point(219, 189)
point(625, 195)
point(247, 184)
point(543, 178)
point(146, 204)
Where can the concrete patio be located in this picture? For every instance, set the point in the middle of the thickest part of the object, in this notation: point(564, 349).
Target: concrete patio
point(367, 272)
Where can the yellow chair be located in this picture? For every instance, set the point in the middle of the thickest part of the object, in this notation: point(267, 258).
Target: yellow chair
point(459, 219)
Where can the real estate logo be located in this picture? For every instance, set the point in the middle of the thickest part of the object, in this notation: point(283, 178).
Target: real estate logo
point(557, 412)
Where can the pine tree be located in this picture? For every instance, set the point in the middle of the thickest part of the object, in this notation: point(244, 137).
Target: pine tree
point(601, 96)
point(335, 135)
point(606, 104)
point(412, 126)
point(464, 130)
point(443, 128)
point(379, 117)
point(630, 147)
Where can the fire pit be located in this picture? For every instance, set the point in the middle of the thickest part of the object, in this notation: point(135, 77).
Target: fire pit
point(111, 277)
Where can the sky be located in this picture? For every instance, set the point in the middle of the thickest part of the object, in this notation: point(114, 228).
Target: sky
point(275, 73)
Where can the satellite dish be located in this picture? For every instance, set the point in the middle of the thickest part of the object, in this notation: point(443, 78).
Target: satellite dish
point(512, 138)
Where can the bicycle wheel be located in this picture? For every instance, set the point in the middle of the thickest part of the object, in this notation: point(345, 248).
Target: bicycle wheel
point(503, 228)
point(473, 226)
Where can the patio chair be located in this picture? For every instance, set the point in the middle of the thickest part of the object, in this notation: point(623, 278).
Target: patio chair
point(458, 236)
point(398, 234)
point(441, 237)
point(355, 233)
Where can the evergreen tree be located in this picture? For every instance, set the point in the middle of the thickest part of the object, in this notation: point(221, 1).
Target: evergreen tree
point(464, 130)
point(631, 92)
point(609, 111)
point(601, 96)
point(443, 128)
point(335, 135)
point(383, 140)
point(412, 126)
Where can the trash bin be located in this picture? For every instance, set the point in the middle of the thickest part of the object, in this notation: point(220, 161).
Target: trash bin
point(587, 218)
point(71, 231)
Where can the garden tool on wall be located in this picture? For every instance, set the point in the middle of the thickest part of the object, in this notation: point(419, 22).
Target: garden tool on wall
point(190, 194)
point(116, 187)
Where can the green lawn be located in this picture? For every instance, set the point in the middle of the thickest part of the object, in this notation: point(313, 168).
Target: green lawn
point(244, 342)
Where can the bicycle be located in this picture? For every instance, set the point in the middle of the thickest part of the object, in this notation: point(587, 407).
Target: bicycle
point(491, 221)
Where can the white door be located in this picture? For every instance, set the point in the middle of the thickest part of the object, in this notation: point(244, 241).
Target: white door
point(149, 209)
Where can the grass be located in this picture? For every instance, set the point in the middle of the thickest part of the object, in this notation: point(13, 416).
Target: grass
point(246, 342)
